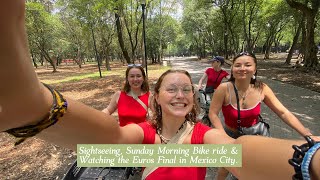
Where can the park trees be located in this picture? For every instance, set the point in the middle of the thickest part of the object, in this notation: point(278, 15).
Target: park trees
point(108, 29)
point(43, 29)
point(274, 19)
point(310, 9)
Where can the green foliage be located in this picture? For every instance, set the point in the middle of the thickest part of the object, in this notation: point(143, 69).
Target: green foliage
point(44, 30)
point(205, 28)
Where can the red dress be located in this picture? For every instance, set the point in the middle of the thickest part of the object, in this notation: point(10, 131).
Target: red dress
point(130, 110)
point(183, 173)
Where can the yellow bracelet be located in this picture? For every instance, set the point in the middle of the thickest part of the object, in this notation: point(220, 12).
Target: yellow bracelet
point(59, 107)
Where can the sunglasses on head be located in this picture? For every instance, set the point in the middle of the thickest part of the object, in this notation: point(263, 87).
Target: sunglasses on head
point(245, 53)
point(134, 65)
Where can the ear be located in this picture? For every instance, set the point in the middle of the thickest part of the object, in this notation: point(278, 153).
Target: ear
point(156, 98)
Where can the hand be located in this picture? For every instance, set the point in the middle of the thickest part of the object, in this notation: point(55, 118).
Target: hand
point(315, 138)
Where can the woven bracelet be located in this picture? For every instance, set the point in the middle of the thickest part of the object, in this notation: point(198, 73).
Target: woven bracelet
point(57, 110)
point(302, 157)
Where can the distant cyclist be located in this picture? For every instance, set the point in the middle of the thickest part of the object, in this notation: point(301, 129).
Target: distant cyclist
point(214, 75)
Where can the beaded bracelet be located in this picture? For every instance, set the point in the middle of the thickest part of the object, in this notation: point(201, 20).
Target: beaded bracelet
point(307, 159)
point(302, 157)
point(57, 110)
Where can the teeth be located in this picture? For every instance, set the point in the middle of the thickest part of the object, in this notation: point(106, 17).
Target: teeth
point(178, 104)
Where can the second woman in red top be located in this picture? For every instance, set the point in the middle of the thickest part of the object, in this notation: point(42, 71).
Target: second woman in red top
point(132, 101)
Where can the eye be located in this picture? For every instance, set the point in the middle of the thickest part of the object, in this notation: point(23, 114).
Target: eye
point(187, 89)
point(171, 89)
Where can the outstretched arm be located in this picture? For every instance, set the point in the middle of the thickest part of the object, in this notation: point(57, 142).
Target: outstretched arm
point(267, 158)
point(24, 100)
point(204, 76)
point(276, 106)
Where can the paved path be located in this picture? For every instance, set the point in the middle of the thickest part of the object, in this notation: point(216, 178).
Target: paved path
point(303, 103)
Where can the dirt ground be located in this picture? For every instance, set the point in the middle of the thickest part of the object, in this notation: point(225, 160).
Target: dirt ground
point(276, 69)
point(36, 159)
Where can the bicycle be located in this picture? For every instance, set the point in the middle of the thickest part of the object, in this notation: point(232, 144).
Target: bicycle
point(100, 173)
point(204, 100)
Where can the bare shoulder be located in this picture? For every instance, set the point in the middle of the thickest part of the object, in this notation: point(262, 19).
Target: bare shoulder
point(223, 86)
point(266, 89)
point(116, 95)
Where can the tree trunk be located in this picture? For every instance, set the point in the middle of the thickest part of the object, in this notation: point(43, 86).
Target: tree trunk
point(34, 60)
point(120, 39)
point(310, 56)
point(267, 45)
point(78, 58)
point(294, 43)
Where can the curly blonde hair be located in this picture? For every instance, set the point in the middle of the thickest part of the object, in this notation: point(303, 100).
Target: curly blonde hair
point(156, 119)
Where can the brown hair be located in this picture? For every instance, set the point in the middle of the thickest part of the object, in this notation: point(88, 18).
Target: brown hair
point(145, 84)
point(156, 119)
point(256, 83)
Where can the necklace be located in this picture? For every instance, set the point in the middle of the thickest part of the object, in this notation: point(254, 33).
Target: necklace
point(243, 96)
point(165, 140)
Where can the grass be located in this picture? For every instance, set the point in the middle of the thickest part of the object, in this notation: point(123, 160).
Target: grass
point(154, 71)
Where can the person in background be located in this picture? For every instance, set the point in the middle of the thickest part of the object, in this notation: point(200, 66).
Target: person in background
point(132, 102)
point(135, 93)
point(214, 75)
point(251, 93)
point(25, 103)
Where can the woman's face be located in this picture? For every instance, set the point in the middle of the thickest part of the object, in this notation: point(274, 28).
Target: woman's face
point(175, 95)
point(244, 67)
point(216, 64)
point(135, 78)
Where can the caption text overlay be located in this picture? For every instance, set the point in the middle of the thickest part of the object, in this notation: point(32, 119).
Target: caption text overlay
point(155, 155)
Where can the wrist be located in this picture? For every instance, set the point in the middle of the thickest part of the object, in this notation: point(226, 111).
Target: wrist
point(57, 110)
point(308, 134)
point(305, 159)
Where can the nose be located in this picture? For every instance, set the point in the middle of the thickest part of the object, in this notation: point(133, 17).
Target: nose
point(179, 93)
point(242, 67)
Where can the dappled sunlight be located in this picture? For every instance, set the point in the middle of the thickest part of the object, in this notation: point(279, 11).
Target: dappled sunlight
point(304, 117)
point(78, 95)
point(315, 97)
